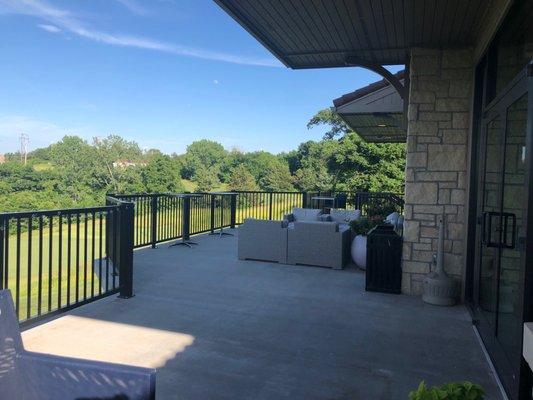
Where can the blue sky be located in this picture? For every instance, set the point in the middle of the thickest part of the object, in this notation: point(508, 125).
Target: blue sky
point(161, 72)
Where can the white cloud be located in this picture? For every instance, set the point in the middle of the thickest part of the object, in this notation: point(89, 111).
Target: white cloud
point(49, 28)
point(133, 7)
point(68, 22)
point(215, 81)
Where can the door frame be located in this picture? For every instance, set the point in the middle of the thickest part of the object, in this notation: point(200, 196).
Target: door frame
point(520, 386)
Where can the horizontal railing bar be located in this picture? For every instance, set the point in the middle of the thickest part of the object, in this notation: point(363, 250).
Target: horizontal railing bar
point(53, 213)
point(32, 322)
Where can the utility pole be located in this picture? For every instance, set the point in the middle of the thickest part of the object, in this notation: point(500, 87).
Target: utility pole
point(24, 142)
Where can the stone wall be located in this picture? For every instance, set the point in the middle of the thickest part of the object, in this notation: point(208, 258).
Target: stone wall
point(436, 169)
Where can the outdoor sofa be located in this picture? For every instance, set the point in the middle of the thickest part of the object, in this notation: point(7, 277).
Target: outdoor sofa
point(26, 375)
point(262, 240)
point(306, 236)
point(320, 243)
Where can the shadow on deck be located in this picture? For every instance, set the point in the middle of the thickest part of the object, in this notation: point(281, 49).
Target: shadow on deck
point(220, 328)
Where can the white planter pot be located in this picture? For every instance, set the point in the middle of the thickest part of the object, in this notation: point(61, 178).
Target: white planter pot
point(359, 251)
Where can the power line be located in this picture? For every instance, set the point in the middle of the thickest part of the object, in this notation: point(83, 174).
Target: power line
point(24, 143)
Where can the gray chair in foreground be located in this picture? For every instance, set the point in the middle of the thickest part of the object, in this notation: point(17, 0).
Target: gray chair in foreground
point(318, 243)
point(26, 375)
point(262, 240)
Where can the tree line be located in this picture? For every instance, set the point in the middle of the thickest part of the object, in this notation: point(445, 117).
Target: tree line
point(76, 173)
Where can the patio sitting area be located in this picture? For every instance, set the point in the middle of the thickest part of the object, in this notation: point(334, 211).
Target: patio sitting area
point(216, 327)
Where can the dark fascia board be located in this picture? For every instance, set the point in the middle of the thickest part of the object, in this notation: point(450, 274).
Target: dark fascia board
point(243, 21)
point(366, 90)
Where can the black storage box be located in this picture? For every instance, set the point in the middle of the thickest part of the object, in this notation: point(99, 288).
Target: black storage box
point(384, 260)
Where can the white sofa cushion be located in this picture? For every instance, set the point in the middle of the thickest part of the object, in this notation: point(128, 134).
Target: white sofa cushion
point(392, 218)
point(306, 214)
point(344, 216)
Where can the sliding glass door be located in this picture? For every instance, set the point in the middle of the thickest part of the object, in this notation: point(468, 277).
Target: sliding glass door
point(502, 207)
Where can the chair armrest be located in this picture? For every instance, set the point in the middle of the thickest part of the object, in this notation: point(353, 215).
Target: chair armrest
point(69, 378)
point(289, 217)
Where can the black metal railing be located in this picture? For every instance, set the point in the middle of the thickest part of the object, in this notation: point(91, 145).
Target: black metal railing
point(56, 260)
point(367, 202)
point(164, 216)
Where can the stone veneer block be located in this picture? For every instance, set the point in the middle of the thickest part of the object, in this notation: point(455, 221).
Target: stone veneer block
point(446, 157)
point(440, 91)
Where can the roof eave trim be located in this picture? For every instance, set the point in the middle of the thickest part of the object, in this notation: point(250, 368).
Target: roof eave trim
point(260, 38)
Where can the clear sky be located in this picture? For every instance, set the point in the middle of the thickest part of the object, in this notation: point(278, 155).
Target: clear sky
point(161, 72)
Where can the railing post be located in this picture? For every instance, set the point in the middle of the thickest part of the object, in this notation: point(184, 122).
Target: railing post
point(186, 218)
point(212, 230)
point(126, 250)
point(270, 206)
point(3, 234)
point(233, 210)
point(155, 201)
point(304, 199)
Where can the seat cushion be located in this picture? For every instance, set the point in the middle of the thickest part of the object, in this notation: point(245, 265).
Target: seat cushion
point(306, 214)
point(344, 216)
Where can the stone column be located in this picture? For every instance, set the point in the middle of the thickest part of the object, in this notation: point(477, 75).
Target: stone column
point(435, 177)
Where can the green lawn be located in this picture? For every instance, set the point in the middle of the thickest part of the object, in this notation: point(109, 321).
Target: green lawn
point(190, 186)
point(71, 257)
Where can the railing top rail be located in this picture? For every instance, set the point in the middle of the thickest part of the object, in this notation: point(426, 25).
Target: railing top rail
point(54, 213)
point(264, 191)
point(117, 200)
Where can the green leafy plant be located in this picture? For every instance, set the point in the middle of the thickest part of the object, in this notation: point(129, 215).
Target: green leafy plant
point(380, 210)
point(363, 225)
point(449, 391)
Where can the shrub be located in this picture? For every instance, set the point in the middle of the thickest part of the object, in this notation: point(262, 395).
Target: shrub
point(363, 225)
point(449, 391)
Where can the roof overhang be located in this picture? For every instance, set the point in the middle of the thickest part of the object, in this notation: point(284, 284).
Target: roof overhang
point(327, 33)
point(375, 112)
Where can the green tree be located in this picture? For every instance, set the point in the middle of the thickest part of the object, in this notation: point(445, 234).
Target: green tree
point(161, 176)
point(327, 117)
point(81, 168)
point(203, 155)
point(242, 179)
point(276, 177)
point(354, 164)
point(206, 180)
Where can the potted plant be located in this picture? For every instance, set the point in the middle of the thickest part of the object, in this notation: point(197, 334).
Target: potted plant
point(360, 229)
point(449, 391)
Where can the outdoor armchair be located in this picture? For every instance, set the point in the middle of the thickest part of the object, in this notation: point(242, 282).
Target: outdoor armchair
point(26, 375)
point(263, 240)
point(318, 243)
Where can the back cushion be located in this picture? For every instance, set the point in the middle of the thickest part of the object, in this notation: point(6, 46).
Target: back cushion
point(344, 216)
point(306, 214)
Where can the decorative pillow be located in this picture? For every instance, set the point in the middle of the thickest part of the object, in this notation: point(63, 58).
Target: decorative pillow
point(392, 218)
point(306, 214)
point(344, 216)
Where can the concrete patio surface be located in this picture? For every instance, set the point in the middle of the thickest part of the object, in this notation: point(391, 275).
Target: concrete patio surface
point(220, 328)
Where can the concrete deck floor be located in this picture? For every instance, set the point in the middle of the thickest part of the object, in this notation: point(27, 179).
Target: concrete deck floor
point(219, 328)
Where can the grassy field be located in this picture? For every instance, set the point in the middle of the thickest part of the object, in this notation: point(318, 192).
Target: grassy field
point(66, 264)
point(190, 186)
point(71, 264)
